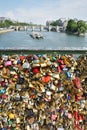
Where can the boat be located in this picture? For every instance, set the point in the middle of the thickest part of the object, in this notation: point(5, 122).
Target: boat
point(36, 35)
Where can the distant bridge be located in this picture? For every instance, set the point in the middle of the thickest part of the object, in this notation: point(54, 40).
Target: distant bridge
point(39, 27)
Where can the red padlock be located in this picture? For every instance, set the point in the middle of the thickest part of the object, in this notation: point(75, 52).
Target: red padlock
point(77, 83)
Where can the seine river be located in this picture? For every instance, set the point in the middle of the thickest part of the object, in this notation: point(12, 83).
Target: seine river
point(52, 40)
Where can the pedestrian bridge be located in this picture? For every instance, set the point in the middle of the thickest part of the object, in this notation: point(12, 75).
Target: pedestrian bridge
point(39, 27)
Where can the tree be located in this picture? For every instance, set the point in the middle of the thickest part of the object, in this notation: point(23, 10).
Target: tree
point(71, 26)
point(81, 30)
point(7, 23)
point(81, 23)
point(82, 27)
point(54, 23)
point(76, 27)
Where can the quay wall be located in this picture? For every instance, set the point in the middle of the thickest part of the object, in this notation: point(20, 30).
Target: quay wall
point(6, 30)
point(27, 51)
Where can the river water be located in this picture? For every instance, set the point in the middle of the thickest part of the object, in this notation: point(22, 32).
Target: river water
point(52, 40)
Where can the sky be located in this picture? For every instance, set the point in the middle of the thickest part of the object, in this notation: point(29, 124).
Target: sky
point(40, 11)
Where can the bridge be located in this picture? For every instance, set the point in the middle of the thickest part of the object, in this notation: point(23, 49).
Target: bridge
point(39, 27)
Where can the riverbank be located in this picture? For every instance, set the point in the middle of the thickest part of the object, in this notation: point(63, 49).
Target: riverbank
point(6, 30)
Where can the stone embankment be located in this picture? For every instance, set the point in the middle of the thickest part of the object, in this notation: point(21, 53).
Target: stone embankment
point(6, 30)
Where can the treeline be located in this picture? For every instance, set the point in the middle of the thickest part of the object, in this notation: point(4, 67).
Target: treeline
point(73, 27)
point(79, 27)
point(7, 23)
point(57, 23)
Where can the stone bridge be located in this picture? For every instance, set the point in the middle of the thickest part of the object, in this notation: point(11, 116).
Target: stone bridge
point(39, 27)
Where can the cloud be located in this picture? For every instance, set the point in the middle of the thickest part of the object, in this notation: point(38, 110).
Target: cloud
point(73, 8)
point(10, 14)
point(49, 10)
point(34, 15)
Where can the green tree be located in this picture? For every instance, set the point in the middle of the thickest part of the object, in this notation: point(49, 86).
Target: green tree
point(8, 23)
point(71, 26)
point(76, 27)
point(54, 23)
point(81, 30)
point(82, 27)
point(81, 23)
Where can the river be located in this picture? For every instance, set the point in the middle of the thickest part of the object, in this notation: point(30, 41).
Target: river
point(52, 40)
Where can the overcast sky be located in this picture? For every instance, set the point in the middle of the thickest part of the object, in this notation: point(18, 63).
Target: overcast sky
point(39, 11)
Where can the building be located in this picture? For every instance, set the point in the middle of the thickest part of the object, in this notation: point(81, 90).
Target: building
point(49, 22)
point(2, 19)
point(62, 22)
